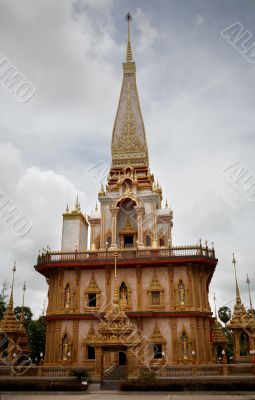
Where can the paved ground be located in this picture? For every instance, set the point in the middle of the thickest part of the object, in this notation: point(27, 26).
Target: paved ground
point(142, 396)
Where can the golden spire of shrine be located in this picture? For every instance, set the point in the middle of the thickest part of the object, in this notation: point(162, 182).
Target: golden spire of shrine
point(9, 322)
point(239, 316)
point(129, 49)
point(129, 145)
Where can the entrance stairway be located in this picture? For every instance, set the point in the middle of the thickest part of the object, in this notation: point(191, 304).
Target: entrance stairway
point(112, 381)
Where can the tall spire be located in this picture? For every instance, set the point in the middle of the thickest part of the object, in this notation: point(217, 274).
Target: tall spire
point(9, 322)
point(129, 145)
point(129, 49)
point(239, 316)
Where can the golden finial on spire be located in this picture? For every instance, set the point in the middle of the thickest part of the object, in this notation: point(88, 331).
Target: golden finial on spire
point(67, 208)
point(238, 298)
point(166, 204)
point(96, 209)
point(129, 50)
point(13, 274)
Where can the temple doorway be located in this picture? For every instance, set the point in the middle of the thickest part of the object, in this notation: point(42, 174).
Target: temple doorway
point(122, 358)
point(128, 241)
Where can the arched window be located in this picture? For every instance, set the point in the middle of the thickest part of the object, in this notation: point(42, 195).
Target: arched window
point(67, 296)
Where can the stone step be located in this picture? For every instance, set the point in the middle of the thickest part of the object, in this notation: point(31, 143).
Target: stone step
point(111, 385)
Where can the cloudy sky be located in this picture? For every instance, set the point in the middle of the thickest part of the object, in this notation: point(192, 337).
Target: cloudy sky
point(197, 95)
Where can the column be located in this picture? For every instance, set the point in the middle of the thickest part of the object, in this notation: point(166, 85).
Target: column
point(102, 230)
point(114, 214)
point(154, 229)
point(74, 355)
point(130, 361)
point(92, 246)
point(174, 349)
point(99, 362)
point(171, 287)
point(57, 341)
point(140, 213)
point(139, 287)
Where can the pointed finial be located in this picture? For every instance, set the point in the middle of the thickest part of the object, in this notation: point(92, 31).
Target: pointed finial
point(238, 298)
point(129, 50)
point(11, 296)
point(166, 204)
point(77, 203)
point(96, 209)
point(22, 318)
point(249, 290)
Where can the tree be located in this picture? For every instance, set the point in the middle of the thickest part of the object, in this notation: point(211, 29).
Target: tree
point(36, 332)
point(251, 311)
point(3, 297)
point(224, 314)
point(27, 314)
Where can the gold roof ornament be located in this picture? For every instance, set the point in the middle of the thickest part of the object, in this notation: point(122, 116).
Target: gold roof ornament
point(155, 285)
point(9, 323)
point(157, 336)
point(115, 327)
point(166, 204)
point(92, 286)
point(218, 335)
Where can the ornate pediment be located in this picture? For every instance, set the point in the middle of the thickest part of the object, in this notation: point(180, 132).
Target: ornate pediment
point(93, 286)
point(157, 336)
point(155, 285)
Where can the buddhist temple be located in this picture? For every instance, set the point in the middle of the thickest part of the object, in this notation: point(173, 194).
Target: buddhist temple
point(120, 293)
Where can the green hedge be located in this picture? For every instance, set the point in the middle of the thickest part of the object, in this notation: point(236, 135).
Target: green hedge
point(189, 385)
point(44, 385)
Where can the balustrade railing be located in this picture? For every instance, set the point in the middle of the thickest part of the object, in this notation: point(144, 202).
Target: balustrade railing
point(125, 254)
